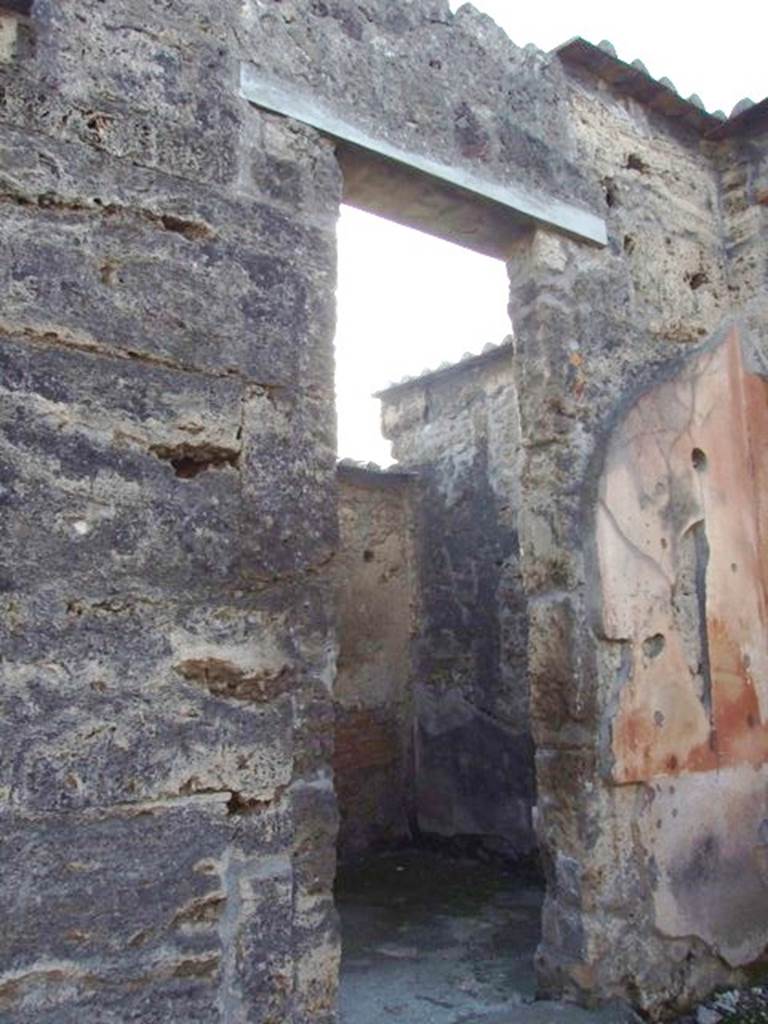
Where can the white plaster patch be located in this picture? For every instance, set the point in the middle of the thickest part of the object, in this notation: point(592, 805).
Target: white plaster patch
point(9, 33)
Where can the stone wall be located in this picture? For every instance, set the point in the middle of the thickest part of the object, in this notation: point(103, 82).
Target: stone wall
point(167, 817)
point(743, 165)
point(636, 508)
point(458, 429)
point(373, 695)
point(167, 813)
point(168, 481)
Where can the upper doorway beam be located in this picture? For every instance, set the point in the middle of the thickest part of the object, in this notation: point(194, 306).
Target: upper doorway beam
point(447, 201)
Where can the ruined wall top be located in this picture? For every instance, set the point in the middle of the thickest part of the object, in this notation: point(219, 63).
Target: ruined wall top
point(451, 86)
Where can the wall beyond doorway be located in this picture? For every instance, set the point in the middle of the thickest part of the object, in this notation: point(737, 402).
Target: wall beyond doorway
point(432, 734)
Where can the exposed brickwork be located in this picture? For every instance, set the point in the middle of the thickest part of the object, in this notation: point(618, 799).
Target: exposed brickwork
point(370, 778)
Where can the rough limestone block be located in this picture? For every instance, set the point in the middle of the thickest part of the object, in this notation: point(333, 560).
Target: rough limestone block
point(128, 699)
point(316, 933)
point(113, 232)
point(347, 56)
point(288, 465)
point(154, 285)
point(562, 709)
point(153, 697)
point(139, 98)
point(150, 913)
point(126, 487)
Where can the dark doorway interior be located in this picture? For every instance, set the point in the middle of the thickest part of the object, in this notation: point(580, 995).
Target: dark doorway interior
point(438, 887)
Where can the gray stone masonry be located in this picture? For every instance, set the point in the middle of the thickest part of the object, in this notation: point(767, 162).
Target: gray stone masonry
point(458, 429)
point(167, 480)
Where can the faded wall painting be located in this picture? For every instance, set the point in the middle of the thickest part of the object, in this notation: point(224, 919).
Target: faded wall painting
point(681, 537)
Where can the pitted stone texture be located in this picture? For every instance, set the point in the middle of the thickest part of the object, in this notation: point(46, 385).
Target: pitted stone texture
point(89, 235)
point(127, 699)
point(406, 72)
point(660, 201)
point(78, 438)
point(183, 891)
point(743, 167)
point(149, 479)
point(460, 430)
point(167, 474)
point(594, 330)
point(112, 77)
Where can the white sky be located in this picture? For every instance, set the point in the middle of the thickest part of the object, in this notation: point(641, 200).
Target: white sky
point(407, 301)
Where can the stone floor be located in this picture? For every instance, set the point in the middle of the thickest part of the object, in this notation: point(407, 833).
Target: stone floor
point(431, 940)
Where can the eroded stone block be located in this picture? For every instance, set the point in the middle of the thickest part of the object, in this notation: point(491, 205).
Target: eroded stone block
point(145, 911)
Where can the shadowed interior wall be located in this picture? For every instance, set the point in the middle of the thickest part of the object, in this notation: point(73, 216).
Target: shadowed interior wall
point(458, 429)
point(377, 596)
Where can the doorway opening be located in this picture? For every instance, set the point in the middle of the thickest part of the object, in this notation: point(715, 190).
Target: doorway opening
point(407, 303)
point(438, 886)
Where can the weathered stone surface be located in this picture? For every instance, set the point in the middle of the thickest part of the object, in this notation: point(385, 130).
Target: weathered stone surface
point(378, 596)
point(562, 705)
point(474, 778)
point(288, 512)
point(84, 444)
point(459, 429)
point(166, 411)
point(593, 331)
point(145, 910)
point(168, 510)
point(122, 85)
point(89, 238)
point(131, 698)
point(315, 923)
point(405, 72)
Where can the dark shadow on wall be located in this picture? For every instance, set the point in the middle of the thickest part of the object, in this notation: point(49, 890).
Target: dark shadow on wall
point(475, 778)
point(433, 743)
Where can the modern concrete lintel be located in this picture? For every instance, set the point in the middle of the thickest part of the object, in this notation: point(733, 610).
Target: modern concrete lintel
point(513, 200)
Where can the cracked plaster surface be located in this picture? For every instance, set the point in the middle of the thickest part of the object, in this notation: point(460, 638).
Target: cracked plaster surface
point(681, 530)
